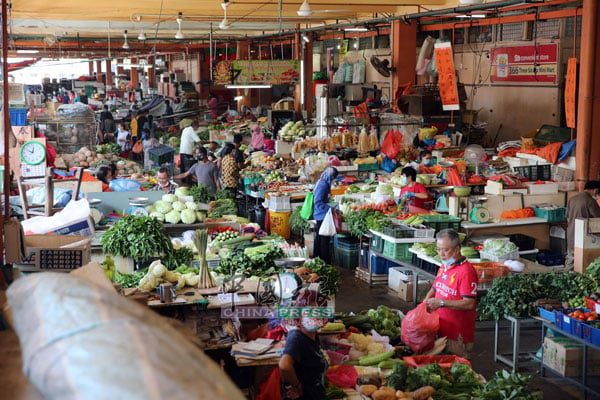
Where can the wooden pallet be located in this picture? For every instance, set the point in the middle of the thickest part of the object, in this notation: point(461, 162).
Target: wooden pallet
point(377, 279)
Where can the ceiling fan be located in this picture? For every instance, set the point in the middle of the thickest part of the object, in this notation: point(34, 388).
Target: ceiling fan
point(306, 11)
point(225, 23)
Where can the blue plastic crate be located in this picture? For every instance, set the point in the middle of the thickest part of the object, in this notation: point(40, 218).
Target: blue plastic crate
point(547, 315)
point(591, 334)
point(549, 258)
point(568, 324)
point(18, 116)
point(379, 265)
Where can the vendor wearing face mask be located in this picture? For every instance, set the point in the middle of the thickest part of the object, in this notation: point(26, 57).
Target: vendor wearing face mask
point(413, 189)
point(303, 364)
point(426, 159)
point(454, 295)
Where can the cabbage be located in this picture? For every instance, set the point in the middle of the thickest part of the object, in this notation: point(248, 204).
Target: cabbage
point(385, 189)
point(188, 216)
point(182, 191)
point(497, 247)
point(178, 206)
point(163, 206)
point(150, 209)
point(159, 216)
point(190, 205)
point(173, 217)
point(200, 215)
point(170, 198)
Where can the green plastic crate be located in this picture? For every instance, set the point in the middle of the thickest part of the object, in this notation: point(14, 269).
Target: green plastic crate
point(551, 215)
point(346, 258)
point(397, 251)
point(368, 167)
point(376, 243)
point(442, 221)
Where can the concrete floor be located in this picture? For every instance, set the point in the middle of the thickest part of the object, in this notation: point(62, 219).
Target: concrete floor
point(355, 295)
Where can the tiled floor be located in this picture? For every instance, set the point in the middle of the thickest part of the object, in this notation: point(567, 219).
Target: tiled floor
point(355, 295)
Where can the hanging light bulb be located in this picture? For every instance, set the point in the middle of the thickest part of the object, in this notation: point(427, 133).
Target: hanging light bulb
point(224, 24)
point(179, 35)
point(125, 44)
point(142, 36)
point(305, 10)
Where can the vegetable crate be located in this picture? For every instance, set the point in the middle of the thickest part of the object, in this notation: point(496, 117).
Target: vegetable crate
point(405, 231)
point(551, 214)
point(368, 167)
point(568, 324)
point(425, 265)
point(535, 172)
point(376, 243)
point(346, 250)
point(592, 304)
point(547, 315)
point(523, 242)
point(549, 258)
point(591, 334)
point(439, 222)
point(18, 116)
point(380, 266)
point(513, 255)
point(488, 271)
point(397, 251)
point(161, 154)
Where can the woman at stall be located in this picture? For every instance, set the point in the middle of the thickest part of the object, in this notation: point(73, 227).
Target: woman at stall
point(320, 208)
point(104, 175)
point(303, 364)
point(426, 159)
point(258, 138)
point(230, 171)
point(413, 191)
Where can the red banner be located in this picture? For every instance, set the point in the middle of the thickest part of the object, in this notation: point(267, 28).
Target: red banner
point(570, 88)
point(446, 76)
point(532, 63)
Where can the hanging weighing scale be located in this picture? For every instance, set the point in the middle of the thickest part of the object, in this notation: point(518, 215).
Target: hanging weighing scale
point(479, 214)
point(138, 206)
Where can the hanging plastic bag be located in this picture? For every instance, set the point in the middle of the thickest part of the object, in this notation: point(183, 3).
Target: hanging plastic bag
point(419, 328)
point(328, 225)
point(138, 147)
point(391, 144)
point(388, 165)
point(337, 220)
point(271, 388)
point(348, 72)
point(307, 207)
point(358, 75)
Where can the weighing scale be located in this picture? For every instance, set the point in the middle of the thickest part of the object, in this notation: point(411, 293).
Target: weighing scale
point(94, 212)
point(479, 214)
point(138, 206)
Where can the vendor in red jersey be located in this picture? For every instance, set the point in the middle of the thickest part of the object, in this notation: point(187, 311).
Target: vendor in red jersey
point(454, 295)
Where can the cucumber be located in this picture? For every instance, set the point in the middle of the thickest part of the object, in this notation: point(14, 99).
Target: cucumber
point(333, 327)
point(375, 359)
point(237, 240)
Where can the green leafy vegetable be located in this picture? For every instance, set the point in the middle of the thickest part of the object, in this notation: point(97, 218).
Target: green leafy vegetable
point(251, 261)
point(334, 393)
point(504, 386)
point(223, 194)
point(200, 193)
point(297, 224)
point(181, 256)
point(329, 276)
point(360, 221)
point(130, 280)
point(138, 237)
point(222, 207)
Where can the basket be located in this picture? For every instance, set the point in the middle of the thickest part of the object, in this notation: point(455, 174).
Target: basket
point(568, 324)
point(440, 222)
point(535, 172)
point(368, 167)
point(557, 214)
point(549, 258)
point(513, 255)
point(346, 258)
point(488, 271)
point(161, 154)
point(591, 334)
point(547, 315)
point(376, 243)
point(523, 242)
point(397, 251)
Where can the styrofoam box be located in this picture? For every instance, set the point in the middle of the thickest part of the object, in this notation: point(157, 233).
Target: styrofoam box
point(546, 188)
point(566, 186)
point(400, 274)
point(493, 187)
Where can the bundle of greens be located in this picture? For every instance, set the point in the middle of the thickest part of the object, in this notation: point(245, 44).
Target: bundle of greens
point(360, 221)
point(504, 386)
point(200, 193)
point(201, 241)
point(458, 384)
point(138, 237)
point(329, 276)
point(180, 256)
point(221, 207)
point(297, 224)
point(130, 280)
point(223, 194)
point(251, 261)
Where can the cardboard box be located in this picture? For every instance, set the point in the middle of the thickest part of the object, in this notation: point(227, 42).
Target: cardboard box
point(400, 280)
point(565, 356)
point(55, 252)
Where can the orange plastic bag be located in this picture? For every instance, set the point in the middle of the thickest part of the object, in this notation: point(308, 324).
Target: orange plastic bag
point(391, 144)
point(526, 212)
point(419, 328)
point(550, 152)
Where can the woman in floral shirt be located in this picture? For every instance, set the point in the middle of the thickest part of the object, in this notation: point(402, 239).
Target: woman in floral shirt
point(229, 169)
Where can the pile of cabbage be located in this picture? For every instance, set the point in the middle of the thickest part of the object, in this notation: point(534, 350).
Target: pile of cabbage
point(173, 211)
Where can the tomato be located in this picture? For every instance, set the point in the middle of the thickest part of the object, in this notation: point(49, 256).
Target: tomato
point(591, 318)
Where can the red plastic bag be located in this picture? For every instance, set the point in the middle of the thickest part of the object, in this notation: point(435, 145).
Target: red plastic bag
point(419, 328)
point(271, 388)
point(342, 376)
point(391, 144)
point(337, 220)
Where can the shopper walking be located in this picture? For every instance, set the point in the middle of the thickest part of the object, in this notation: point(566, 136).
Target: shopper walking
point(205, 171)
point(454, 295)
point(321, 205)
point(189, 138)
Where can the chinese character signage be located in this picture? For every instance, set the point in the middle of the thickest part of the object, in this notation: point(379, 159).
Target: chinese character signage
point(246, 72)
point(446, 76)
point(531, 63)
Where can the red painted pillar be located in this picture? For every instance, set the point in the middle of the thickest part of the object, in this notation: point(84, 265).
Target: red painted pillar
point(109, 76)
point(99, 71)
point(151, 73)
point(404, 59)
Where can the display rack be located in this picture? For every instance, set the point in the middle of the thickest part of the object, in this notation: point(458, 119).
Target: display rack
point(59, 131)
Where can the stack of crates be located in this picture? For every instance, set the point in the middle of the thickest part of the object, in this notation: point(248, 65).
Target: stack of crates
point(346, 251)
point(161, 154)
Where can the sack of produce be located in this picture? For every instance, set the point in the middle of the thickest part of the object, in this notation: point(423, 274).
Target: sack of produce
point(419, 328)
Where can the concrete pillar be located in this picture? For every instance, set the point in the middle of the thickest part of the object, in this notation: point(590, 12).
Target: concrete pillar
point(91, 68)
point(134, 75)
point(243, 53)
point(404, 59)
point(99, 71)
point(588, 106)
point(120, 68)
point(109, 76)
point(151, 73)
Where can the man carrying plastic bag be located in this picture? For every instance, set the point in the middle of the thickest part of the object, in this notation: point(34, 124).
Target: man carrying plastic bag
point(454, 295)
